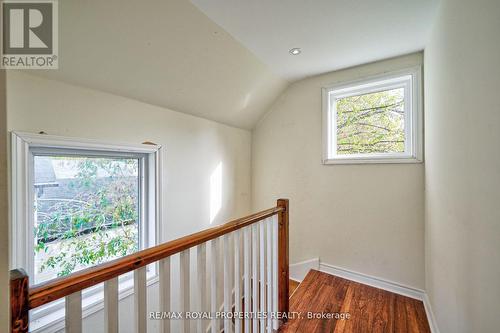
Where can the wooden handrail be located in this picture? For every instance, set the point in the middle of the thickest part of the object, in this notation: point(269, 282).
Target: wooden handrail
point(23, 298)
point(52, 290)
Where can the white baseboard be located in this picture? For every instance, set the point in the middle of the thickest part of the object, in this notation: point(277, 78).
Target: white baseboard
point(373, 281)
point(298, 271)
point(430, 315)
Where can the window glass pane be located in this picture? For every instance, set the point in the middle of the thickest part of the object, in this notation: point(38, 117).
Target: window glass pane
point(371, 123)
point(86, 212)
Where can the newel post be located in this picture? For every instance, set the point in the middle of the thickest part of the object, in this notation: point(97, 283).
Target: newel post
point(283, 304)
point(19, 321)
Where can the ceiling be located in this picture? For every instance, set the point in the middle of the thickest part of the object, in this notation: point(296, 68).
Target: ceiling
point(226, 60)
point(332, 34)
point(166, 53)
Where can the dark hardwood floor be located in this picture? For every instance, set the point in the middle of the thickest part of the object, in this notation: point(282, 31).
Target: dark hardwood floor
point(371, 310)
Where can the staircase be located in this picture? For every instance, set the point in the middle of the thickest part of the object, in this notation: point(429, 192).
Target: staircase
point(253, 252)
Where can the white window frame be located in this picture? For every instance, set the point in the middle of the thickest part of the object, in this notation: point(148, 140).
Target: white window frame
point(410, 80)
point(24, 146)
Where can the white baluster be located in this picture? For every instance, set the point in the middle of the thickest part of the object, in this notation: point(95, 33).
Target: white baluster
point(275, 268)
point(228, 289)
point(201, 292)
point(184, 289)
point(164, 285)
point(73, 306)
point(262, 270)
point(213, 285)
point(247, 255)
point(269, 237)
point(111, 305)
point(255, 276)
point(140, 299)
point(237, 281)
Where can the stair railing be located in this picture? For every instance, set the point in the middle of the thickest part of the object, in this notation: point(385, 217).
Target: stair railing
point(255, 277)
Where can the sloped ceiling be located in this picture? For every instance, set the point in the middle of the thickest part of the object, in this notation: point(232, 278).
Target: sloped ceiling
point(332, 34)
point(163, 52)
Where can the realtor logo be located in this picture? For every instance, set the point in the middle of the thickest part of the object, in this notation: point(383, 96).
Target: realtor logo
point(29, 35)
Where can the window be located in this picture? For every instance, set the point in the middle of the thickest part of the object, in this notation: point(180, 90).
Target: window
point(377, 120)
point(85, 210)
point(79, 203)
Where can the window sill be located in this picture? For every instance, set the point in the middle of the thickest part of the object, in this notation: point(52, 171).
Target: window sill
point(54, 321)
point(371, 160)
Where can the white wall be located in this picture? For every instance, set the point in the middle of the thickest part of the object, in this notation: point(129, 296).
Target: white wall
point(462, 176)
point(366, 218)
point(193, 148)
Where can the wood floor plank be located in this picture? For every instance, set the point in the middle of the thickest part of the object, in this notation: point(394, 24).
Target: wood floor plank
point(305, 299)
point(423, 323)
point(371, 309)
point(361, 305)
point(383, 321)
point(306, 289)
point(400, 315)
point(319, 303)
point(335, 301)
point(345, 308)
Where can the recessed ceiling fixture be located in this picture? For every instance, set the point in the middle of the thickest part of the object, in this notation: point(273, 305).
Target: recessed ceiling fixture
point(295, 51)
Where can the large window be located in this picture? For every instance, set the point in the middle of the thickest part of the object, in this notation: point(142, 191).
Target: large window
point(86, 210)
point(377, 120)
point(78, 203)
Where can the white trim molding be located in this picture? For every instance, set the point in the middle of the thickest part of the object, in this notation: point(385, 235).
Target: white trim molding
point(376, 282)
point(430, 314)
point(21, 224)
point(298, 271)
point(24, 146)
point(410, 79)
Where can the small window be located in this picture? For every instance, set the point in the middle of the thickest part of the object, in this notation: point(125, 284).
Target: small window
point(377, 120)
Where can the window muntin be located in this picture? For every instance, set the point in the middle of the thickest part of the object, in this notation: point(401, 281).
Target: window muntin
point(376, 120)
point(86, 211)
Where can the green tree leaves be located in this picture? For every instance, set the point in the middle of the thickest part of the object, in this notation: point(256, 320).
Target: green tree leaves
point(98, 223)
point(371, 123)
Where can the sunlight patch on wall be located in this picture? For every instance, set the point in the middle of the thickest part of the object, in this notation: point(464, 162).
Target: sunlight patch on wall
point(215, 192)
